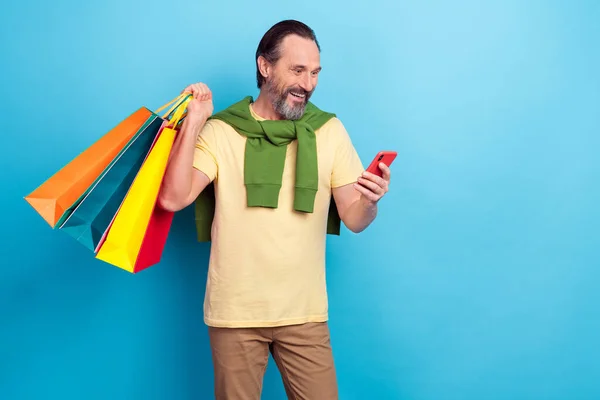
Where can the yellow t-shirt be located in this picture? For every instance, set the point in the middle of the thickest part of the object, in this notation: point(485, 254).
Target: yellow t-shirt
point(267, 266)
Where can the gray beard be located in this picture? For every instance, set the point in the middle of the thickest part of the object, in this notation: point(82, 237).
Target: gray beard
point(281, 106)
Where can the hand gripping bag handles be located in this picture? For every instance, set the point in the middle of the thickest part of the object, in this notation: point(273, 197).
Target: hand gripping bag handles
point(138, 232)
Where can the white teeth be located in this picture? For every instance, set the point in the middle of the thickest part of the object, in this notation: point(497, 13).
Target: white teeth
point(297, 95)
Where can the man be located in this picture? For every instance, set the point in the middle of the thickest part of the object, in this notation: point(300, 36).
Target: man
point(275, 164)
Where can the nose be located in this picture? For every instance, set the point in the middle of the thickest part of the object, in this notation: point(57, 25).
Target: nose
point(307, 82)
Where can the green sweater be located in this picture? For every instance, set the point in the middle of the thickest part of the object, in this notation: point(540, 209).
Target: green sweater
point(264, 160)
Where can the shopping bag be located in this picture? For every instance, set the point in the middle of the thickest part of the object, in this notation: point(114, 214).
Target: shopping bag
point(55, 198)
point(140, 224)
point(90, 219)
point(155, 239)
point(67, 213)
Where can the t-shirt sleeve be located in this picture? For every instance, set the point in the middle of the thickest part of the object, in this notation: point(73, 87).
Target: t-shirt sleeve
point(205, 158)
point(347, 165)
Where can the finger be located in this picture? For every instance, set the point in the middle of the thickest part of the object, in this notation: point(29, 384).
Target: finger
point(206, 92)
point(206, 95)
point(366, 192)
point(374, 178)
point(196, 90)
point(387, 173)
point(372, 186)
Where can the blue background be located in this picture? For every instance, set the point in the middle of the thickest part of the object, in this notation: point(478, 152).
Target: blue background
point(480, 278)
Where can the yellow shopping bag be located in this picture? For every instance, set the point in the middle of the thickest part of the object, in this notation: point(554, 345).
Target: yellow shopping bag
point(126, 233)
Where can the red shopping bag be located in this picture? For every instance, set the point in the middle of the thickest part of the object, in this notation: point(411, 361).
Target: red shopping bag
point(155, 238)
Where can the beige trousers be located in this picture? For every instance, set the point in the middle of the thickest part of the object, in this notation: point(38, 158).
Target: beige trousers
point(302, 353)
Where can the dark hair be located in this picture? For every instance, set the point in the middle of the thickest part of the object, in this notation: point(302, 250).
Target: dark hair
point(269, 46)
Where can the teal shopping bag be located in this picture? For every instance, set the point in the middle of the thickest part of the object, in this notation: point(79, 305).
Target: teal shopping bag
point(92, 216)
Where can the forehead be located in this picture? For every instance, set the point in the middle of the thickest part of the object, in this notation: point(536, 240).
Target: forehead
point(298, 50)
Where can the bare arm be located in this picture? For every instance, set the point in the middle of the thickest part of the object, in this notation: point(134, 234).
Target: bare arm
point(357, 203)
point(182, 183)
point(356, 213)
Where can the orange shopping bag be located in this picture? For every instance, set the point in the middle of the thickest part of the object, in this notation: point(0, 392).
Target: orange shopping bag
point(53, 198)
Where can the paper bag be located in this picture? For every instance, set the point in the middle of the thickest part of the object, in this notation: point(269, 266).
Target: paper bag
point(53, 197)
point(90, 219)
point(60, 194)
point(139, 223)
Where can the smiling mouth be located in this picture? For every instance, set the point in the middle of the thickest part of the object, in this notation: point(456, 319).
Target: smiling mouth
point(298, 95)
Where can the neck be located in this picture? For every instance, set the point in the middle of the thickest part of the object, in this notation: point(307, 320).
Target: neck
point(263, 107)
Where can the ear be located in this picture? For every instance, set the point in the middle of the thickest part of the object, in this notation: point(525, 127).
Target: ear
point(263, 66)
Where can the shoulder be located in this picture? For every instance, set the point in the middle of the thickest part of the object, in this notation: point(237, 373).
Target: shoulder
point(213, 124)
point(215, 127)
point(334, 129)
point(334, 124)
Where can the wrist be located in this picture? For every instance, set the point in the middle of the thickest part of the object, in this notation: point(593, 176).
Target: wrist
point(197, 117)
point(367, 204)
point(194, 123)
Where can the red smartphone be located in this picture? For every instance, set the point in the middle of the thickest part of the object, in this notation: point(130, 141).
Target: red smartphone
point(386, 157)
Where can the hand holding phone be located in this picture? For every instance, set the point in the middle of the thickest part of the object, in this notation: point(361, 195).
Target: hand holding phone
point(374, 187)
point(387, 157)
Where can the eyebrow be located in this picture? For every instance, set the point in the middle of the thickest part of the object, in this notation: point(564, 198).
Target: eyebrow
point(318, 69)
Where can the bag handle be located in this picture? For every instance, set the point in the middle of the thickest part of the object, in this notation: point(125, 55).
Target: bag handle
point(172, 103)
point(180, 112)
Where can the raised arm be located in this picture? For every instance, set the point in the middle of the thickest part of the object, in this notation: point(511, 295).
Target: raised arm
point(182, 182)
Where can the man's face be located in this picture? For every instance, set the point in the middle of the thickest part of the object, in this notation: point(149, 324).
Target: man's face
point(294, 77)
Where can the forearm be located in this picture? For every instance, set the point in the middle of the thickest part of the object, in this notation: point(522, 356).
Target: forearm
point(177, 183)
point(360, 214)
